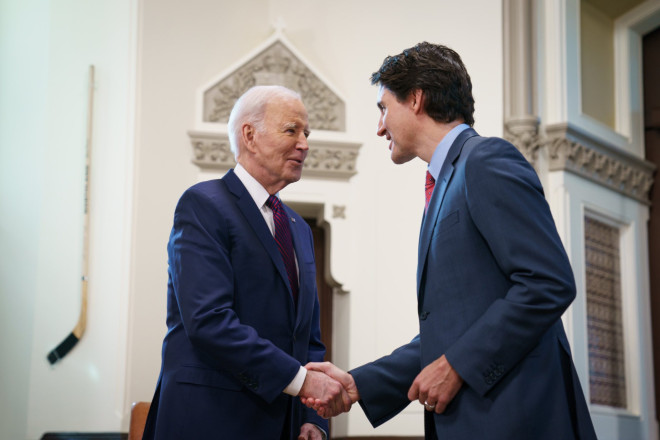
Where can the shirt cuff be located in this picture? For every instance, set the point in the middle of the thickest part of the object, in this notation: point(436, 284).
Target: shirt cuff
point(293, 389)
point(324, 434)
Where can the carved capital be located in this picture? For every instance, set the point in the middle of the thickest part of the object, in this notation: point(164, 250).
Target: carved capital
point(523, 133)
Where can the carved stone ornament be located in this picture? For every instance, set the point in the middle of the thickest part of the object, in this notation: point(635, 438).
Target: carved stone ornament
point(277, 65)
point(523, 133)
point(606, 165)
point(330, 159)
point(338, 211)
point(275, 62)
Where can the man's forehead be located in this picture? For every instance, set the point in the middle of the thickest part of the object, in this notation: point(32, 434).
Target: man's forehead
point(288, 111)
point(383, 93)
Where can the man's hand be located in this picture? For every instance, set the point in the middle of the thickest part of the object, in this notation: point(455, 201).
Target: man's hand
point(326, 392)
point(309, 431)
point(344, 378)
point(436, 385)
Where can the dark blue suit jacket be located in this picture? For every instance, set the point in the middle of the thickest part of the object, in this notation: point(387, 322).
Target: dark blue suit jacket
point(493, 281)
point(235, 339)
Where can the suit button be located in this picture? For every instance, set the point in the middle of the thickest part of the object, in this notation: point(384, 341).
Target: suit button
point(423, 315)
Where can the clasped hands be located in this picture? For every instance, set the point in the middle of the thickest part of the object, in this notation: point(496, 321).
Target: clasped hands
point(332, 391)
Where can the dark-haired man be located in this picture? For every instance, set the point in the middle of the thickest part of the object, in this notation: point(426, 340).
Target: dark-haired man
point(491, 360)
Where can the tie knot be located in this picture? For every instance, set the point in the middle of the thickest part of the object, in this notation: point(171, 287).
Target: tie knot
point(273, 203)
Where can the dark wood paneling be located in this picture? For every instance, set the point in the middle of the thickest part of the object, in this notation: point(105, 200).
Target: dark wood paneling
point(651, 73)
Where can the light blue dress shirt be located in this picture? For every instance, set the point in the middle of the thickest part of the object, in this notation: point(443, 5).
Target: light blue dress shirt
point(440, 153)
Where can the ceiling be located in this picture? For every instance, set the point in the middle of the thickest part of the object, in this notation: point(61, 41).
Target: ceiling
point(614, 8)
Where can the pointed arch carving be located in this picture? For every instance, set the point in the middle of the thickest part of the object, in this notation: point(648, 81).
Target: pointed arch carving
point(277, 64)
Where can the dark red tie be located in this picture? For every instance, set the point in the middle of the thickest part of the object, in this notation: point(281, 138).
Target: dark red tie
point(428, 190)
point(284, 242)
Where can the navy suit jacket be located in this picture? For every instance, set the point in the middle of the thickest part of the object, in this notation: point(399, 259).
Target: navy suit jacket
point(493, 280)
point(235, 338)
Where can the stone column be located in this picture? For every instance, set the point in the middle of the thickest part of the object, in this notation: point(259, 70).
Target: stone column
point(520, 120)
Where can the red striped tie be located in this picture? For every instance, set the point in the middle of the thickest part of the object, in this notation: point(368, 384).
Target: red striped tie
point(284, 242)
point(428, 190)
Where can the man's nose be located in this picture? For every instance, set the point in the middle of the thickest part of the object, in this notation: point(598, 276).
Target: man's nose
point(302, 143)
point(381, 128)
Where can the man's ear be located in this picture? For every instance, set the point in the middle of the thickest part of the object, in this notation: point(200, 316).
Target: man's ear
point(417, 99)
point(247, 134)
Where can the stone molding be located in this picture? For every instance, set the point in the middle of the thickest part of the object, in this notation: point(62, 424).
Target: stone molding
point(609, 166)
point(327, 159)
point(571, 150)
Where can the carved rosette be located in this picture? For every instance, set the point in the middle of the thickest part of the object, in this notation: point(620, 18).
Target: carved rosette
point(325, 158)
point(277, 65)
point(602, 164)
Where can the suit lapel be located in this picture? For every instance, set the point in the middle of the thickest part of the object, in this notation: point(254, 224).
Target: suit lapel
point(428, 223)
point(256, 220)
point(431, 217)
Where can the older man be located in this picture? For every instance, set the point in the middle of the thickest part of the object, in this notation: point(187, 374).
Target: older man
point(243, 312)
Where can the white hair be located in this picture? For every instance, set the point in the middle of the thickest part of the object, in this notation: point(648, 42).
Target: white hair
point(251, 108)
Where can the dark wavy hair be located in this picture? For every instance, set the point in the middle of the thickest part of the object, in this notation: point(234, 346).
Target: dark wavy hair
point(438, 72)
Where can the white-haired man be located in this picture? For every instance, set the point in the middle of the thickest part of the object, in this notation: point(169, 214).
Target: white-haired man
point(243, 312)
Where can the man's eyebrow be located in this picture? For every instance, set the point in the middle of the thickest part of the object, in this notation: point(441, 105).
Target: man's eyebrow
point(296, 125)
point(291, 124)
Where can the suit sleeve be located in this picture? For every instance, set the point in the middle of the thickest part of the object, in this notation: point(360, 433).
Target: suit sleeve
point(506, 203)
point(383, 384)
point(203, 281)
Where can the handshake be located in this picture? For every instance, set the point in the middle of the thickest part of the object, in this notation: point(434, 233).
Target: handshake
point(331, 391)
point(328, 389)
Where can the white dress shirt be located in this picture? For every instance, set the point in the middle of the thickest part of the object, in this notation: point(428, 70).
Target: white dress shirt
point(260, 195)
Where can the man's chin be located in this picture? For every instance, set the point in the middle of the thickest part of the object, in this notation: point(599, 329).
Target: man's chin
point(398, 160)
point(294, 177)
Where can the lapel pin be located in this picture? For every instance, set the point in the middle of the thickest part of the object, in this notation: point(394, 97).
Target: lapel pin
point(293, 219)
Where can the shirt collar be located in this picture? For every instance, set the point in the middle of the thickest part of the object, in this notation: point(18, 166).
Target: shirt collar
point(440, 153)
point(257, 192)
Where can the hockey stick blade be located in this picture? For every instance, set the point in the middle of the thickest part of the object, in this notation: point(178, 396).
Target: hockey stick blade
point(61, 350)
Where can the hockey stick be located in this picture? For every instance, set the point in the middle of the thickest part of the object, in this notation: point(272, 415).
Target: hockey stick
point(70, 341)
